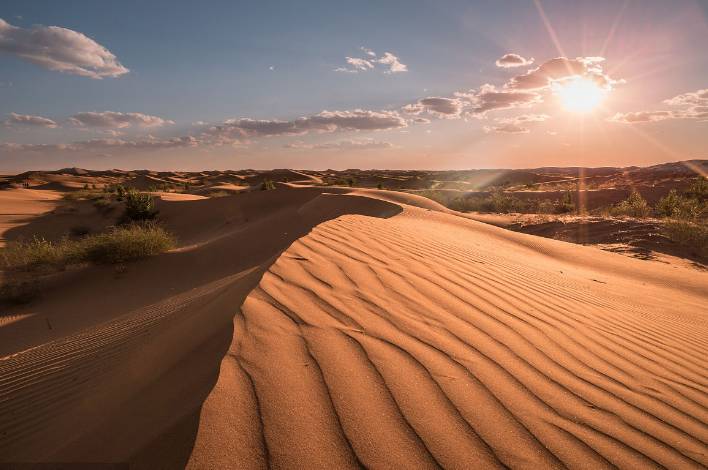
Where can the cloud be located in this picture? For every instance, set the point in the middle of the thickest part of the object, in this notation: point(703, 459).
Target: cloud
point(509, 128)
point(513, 60)
point(115, 120)
point(517, 124)
point(357, 64)
point(394, 65)
point(60, 49)
point(97, 145)
point(691, 105)
point(562, 68)
point(353, 144)
point(16, 120)
point(489, 98)
point(446, 108)
point(641, 116)
point(326, 121)
point(694, 98)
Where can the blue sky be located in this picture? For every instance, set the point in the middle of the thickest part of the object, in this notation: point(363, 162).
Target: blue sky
point(215, 61)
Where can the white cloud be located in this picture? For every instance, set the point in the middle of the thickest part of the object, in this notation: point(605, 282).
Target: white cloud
point(115, 120)
point(357, 64)
point(692, 105)
point(440, 107)
point(562, 68)
point(516, 124)
point(60, 49)
point(326, 121)
point(394, 65)
point(17, 120)
point(641, 116)
point(489, 98)
point(104, 145)
point(513, 60)
point(352, 144)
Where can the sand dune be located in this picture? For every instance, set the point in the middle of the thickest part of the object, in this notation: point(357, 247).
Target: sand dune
point(297, 329)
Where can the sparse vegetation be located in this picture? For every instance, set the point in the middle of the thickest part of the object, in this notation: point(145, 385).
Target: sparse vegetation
point(139, 206)
point(119, 244)
point(691, 235)
point(499, 201)
point(634, 206)
point(267, 185)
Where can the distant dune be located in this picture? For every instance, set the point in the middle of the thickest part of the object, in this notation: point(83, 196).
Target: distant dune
point(322, 326)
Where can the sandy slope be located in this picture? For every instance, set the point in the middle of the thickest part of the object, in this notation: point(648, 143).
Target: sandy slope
point(18, 205)
point(378, 338)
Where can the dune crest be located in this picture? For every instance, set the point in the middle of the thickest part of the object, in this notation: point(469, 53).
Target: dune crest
point(415, 342)
point(305, 328)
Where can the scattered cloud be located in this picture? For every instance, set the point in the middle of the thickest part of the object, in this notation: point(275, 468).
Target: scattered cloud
point(326, 121)
point(115, 120)
point(513, 60)
point(390, 63)
point(562, 68)
point(489, 98)
point(394, 65)
point(60, 49)
point(692, 105)
point(96, 145)
point(641, 116)
point(352, 144)
point(446, 108)
point(517, 124)
point(26, 120)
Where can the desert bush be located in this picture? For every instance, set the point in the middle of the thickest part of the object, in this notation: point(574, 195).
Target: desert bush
point(139, 206)
point(79, 230)
point(19, 291)
point(119, 244)
point(679, 206)
point(267, 185)
point(82, 194)
point(379, 186)
point(127, 243)
point(37, 254)
point(691, 235)
point(120, 192)
point(634, 206)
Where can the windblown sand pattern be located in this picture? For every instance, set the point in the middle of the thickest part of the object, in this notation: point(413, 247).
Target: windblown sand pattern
point(421, 342)
point(418, 339)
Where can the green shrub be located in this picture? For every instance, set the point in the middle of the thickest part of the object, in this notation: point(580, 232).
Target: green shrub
point(267, 185)
point(139, 206)
point(634, 206)
point(124, 243)
point(120, 192)
point(127, 243)
point(82, 194)
point(691, 235)
point(678, 206)
point(19, 291)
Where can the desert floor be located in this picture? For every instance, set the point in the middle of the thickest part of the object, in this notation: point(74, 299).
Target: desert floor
point(322, 327)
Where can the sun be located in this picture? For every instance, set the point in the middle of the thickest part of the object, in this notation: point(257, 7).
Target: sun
point(578, 94)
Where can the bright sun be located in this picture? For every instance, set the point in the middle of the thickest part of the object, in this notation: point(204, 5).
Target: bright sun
point(578, 94)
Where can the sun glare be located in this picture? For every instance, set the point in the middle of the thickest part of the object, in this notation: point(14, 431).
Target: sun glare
point(579, 95)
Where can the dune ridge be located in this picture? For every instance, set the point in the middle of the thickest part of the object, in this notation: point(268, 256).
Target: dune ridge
point(407, 342)
point(376, 334)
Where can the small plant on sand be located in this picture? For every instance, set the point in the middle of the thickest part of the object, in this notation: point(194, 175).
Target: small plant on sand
point(119, 244)
point(127, 243)
point(379, 186)
point(139, 206)
point(120, 192)
point(634, 206)
point(267, 185)
point(691, 235)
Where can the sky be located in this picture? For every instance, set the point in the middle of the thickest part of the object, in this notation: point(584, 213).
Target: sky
point(414, 84)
